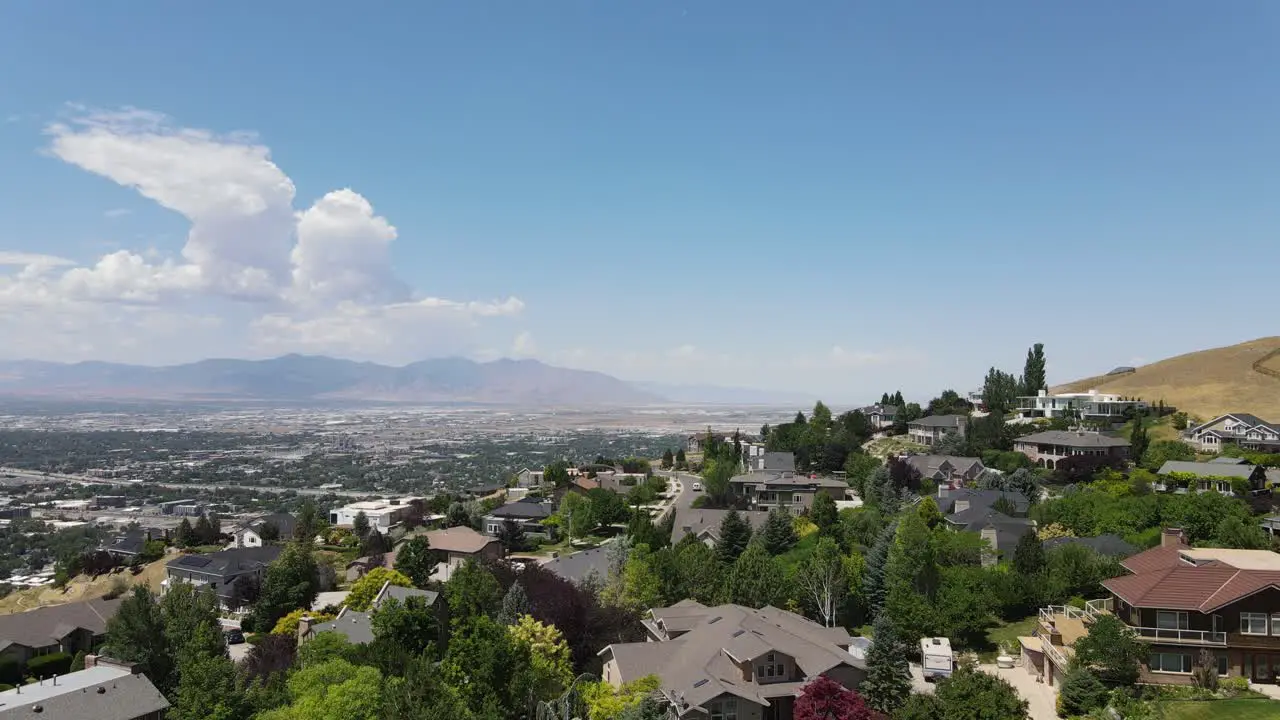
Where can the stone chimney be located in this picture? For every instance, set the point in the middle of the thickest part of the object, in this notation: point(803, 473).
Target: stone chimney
point(1172, 537)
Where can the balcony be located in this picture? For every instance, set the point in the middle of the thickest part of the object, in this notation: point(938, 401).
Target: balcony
point(1181, 637)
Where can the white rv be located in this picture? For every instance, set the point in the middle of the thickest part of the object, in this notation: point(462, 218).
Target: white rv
point(936, 659)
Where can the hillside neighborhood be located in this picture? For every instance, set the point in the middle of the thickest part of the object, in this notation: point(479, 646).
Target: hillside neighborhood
point(1009, 552)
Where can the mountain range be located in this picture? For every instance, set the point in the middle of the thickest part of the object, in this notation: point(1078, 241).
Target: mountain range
point(302, 378)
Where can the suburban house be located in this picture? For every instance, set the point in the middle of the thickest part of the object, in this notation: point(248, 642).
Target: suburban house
point(1181, 601)
point(456, 545)
point(356, 626)
point(767, 489)
point(880, 416)
point(704, 523)
point(1045, 449)
point(731, 661)
point(957, 471)
point(999, 517)
point(1091, 405)
point(753, 455)
point(104, 690)
point(128, 546)
point(70, 628)
point(527, 513)
point(1225, 478)
point(1248, 431)
point(929, 430)
point(250, 534)
point(221, 571)
point(529, 479)
point(382, 514)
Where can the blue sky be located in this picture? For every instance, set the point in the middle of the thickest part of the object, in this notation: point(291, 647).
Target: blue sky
point(835, 197)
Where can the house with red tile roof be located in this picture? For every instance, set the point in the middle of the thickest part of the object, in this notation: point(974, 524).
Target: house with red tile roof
point(1217, 606)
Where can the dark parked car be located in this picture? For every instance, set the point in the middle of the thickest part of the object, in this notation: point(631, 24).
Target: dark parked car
point(233, 636)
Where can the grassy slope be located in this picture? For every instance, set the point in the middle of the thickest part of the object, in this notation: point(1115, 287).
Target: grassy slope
point(1238, 709)
point(1205, 383)
point(80, 588)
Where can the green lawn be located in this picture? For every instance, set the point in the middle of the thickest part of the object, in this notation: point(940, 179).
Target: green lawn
point(1007, 633)
point(1237, 709)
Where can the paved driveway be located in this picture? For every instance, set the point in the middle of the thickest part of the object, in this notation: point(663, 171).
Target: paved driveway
point(1040, 698)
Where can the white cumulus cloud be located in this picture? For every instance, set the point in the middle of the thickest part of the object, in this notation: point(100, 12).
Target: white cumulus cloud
point(318, 279)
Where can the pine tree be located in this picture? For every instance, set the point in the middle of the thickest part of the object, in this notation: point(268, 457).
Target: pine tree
point(778, 534)
point(360, 525)
point(1028, 556)
point(735, 533)
point(873, 578)
point(682, 461)
point(514, 605)
point(1138, 440)
point(824, 513)
point(888, 681)
point(185, 535)
point(668, 459)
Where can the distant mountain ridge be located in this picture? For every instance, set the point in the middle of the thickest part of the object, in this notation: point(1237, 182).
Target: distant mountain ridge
point(294, 378)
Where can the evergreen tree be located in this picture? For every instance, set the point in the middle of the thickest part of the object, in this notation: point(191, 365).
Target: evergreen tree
point(185, 535)
point(512, 537)
point(309, 523)
point(415, 560)
point(778, 533)
point(1138, 440)
point(1033, 372)
point(873, 579)
point(668, 459)
point(682, 461)
point(756, 579)
point(824, 513)
point(360, 525)
point(1028, 556)
point(888, 681)
point(514, 605)
point(1082, 692)
point(735, 534)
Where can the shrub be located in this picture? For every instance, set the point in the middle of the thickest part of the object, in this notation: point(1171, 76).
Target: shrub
point(255, 638)
point(10, 672)
point(118, 587)
point(1082, 692)
point(51, 664)
point(1233, 685)
point(288, 625)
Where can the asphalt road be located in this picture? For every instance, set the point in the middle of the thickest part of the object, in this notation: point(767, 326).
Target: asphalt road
point(40, 477)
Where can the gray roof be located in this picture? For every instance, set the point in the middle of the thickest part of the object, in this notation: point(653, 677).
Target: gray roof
point(1251, 420)
point(284, 522)
point(47, 625)
point(700, 665)
point(395, 592)
point(101, 693)
point(780, 461)
point(980, 499)
point(693, 521)
point(1107, 544)
point(356, 626)
point(577, 566)
point(522, 510)
point(1204, 469)
point(227, 563)
point(1073, 439)
point(927, 465)
point(949, 421)
point(1224, 460)
point(788, 479)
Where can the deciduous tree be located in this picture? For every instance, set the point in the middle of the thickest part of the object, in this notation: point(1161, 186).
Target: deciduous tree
point(1111, 651)
point(825, 699)
point(136, 634)
point(821, 578)
point(970, 694)
point(415, 560)
point(755, 579)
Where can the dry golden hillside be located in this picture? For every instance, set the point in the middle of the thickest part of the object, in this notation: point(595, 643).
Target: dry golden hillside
point(1239, 378)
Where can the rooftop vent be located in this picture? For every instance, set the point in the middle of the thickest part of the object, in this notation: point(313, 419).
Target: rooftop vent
point(698, 684)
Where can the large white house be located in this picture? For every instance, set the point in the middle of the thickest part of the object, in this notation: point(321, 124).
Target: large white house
point(1091, 405)
point(382, 514)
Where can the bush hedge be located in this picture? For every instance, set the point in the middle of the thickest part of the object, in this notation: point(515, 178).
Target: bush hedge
point(48, 665)
point(10, 672)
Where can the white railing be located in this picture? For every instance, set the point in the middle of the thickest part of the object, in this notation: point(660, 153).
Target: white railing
point(1097, 608)
point(1054, 653)
point(1198, 637)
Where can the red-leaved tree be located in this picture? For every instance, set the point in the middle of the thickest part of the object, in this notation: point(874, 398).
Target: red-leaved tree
point(826, 699)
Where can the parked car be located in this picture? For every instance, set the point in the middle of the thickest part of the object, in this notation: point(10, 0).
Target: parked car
point(233, 636)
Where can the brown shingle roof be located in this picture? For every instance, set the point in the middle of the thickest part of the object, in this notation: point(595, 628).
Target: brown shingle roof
point(1202, 589)
point(1161, 557)
point(459, 539)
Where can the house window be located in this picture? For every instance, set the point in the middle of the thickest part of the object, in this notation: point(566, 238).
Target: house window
point(1275, 623)
point(769, 657)
point(1169, 662)
point(797, 499)
point(726, 709)
point(1169, 620)
point(769, 671)
point(493, 529)
point(1253, 623)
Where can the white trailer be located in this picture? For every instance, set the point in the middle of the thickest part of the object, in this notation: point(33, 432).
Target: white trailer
point(936, 660)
